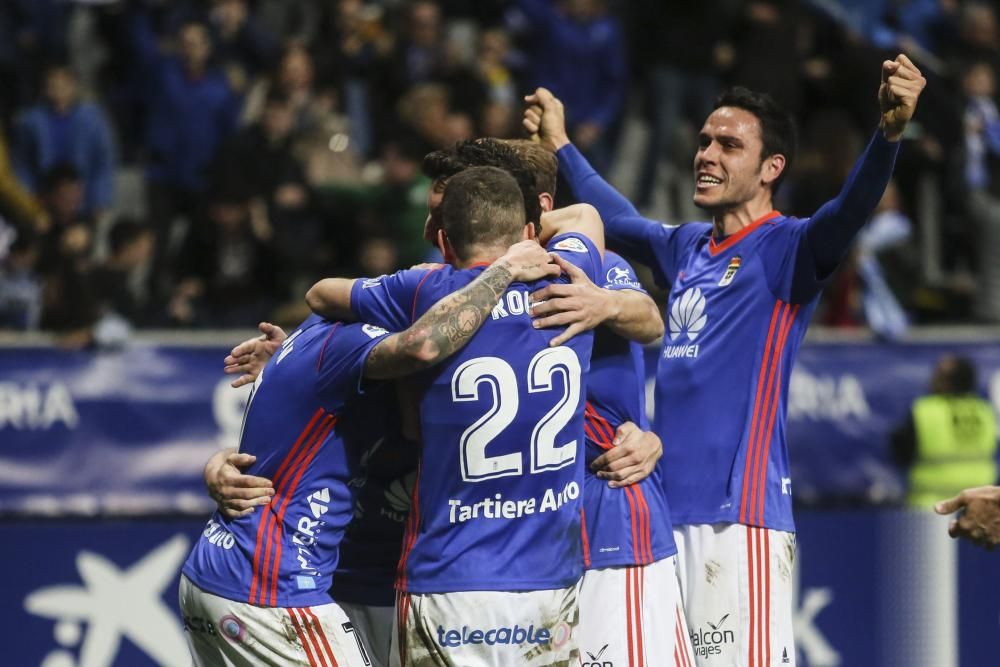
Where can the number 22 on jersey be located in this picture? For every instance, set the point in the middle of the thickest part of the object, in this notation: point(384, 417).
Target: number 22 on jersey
point(499, 378)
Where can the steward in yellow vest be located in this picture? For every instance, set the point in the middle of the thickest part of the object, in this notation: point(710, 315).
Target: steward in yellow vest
point(954, 437)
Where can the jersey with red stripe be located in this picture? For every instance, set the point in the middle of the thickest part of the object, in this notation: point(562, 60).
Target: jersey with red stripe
point(497, 500)
point(631, 525)
point(722, 377)
point(299, 425)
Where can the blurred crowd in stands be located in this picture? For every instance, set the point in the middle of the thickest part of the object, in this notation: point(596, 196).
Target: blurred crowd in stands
point(198, 163)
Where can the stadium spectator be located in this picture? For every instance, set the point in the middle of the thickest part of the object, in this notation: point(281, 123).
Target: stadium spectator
point(226, 272)
point(191, 111)
point(21, 284)
point(581, 36)
point(981, 175)
point(243, 47)
point(950, 440)
point(131, 247)
point(680, 77)
point(62, 196)
point(66, 130)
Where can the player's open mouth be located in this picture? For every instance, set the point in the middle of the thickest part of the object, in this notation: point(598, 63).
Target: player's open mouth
point(707, 181)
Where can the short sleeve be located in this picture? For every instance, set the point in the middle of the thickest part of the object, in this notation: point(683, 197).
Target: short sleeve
point(619, 274)
point(789, 263)
point(388, 301)
point(580, 251)
point(340, 364)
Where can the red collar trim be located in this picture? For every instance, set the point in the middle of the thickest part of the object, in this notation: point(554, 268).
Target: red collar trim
point(715, 248)
point(477, 265)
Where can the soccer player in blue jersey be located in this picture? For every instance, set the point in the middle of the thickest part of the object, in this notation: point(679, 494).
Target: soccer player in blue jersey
point(630, 603)
point(254, 588)
point(742, 289)
point(492, 555)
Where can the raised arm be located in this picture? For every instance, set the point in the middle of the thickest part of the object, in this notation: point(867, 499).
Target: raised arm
point(625, 228)
point(834, 226)
point(455, 319)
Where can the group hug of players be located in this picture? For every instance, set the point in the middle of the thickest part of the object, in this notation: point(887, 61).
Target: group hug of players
point(451, 465)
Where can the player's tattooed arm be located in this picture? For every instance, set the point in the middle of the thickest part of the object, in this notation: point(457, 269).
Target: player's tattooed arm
point(455, 319)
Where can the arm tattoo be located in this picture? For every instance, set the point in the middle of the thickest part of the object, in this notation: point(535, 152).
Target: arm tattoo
point(442, 330)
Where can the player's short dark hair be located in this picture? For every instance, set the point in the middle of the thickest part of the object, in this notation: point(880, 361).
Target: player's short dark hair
point(482, 207)
point(777, 128)
point(487, 152)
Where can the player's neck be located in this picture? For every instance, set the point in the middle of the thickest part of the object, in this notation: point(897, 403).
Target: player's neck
point(485, 256)
point(730, 221)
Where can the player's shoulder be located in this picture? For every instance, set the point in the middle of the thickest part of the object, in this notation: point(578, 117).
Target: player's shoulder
point(572, 242)
point(782, 227)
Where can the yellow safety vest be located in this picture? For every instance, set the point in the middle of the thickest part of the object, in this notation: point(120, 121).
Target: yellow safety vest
point(956, 447)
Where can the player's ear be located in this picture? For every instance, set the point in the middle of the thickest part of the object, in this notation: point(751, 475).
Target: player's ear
point(546, 202)
point(773, 167)
point(447, 250)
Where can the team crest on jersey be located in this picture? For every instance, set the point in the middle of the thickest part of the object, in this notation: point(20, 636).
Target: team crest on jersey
point(571, 244)
point(734, 266)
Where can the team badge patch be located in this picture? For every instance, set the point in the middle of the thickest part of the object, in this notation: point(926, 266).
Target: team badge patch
point(734, 266)
point(571, 244)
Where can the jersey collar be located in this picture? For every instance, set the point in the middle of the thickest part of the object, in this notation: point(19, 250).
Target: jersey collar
point(715, 247)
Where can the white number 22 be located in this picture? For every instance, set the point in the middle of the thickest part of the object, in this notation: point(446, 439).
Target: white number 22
point(496, 376)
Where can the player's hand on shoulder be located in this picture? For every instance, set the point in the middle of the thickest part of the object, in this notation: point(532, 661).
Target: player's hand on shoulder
point(234, 493)
point(901, 86)
point(579, 305)
point(545, 119)
point(528, 261)
point(632, 459)
point(249, 357)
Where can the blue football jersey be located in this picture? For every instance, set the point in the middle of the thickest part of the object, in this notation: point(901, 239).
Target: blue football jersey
point(737, 312)
point(497, 502)
point(369, 552)
point(296, 424)
point(630, 525)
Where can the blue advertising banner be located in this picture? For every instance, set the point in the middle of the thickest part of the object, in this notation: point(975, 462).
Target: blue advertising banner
point(112, 432)
point(844, 401)
point(128, 432)
point(885, 588)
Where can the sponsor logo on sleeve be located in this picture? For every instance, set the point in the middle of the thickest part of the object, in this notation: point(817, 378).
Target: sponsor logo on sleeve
point(373, 331)
point(619, 277)
point(371, 282)
point(570, 244)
